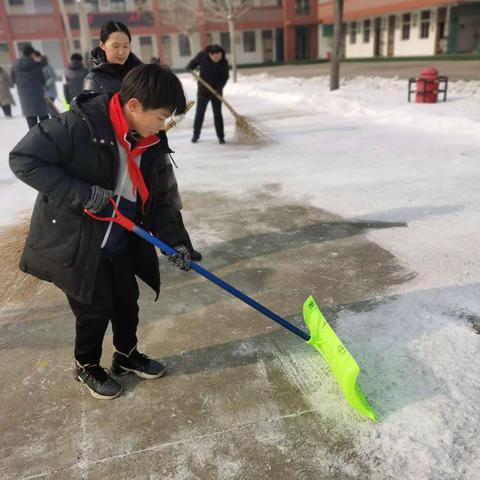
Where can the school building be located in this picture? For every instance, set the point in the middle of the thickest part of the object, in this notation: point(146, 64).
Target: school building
point(400, 28)
point(272, 31)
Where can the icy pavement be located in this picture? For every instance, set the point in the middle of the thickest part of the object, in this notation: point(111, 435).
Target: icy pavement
point(367, 202)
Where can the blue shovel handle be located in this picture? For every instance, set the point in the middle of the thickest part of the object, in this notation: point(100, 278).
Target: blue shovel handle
point(222, 284)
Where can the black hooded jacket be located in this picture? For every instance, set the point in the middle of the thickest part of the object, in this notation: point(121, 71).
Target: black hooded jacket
point(107, 77)
point(216, 74)
point(61, 158)
point(74, 76)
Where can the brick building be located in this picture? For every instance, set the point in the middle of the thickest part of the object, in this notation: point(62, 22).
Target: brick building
point(271, 31)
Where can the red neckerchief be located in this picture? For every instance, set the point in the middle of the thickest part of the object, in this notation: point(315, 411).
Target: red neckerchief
point(120, 127)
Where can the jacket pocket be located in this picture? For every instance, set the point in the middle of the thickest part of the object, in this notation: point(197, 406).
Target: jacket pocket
point(55, 233)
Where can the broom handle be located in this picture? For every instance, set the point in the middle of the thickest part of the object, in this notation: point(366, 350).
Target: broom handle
point(223, 284)
point(217, 95)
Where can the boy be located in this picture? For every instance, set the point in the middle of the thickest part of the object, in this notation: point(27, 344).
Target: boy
point(105, 146)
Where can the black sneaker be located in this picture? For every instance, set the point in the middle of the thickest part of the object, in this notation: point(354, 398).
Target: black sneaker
point(195, 139)
point(100, 384)
point(221, 141)
point(194, 255)
point(137, 363)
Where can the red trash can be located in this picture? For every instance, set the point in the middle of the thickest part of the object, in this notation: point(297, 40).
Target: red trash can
point(427, 86)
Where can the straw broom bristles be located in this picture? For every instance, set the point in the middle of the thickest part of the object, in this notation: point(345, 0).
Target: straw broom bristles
point(246, 132)
point(16, 286)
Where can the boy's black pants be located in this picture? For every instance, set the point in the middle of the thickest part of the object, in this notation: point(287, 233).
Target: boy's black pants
point(202, 103)
point(115, 298)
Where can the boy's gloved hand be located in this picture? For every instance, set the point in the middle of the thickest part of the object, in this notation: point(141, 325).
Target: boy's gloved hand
point(182, 258)
point(98, 199)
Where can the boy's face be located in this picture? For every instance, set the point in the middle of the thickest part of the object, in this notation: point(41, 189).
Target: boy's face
point(145, 122)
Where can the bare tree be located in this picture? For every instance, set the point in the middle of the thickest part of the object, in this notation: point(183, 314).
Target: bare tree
point(184, 15)
point(337, 45)
point(228, 11)
point(66, 26)
point(85, 34)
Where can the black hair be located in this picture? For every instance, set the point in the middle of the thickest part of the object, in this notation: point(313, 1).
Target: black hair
point(214, 49)
point(76, 56)
point(155, 86)
point(111, 27)
point(28, 50)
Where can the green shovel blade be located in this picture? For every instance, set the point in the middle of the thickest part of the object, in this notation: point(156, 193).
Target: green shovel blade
point(342, 364)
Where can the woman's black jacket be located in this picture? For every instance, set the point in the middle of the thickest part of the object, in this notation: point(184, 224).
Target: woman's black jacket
point(61, 158)
point(107, 77)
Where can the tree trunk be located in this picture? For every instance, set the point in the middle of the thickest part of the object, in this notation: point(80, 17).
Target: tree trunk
point(231, 31)
point(337, 45)
point(66, 26)
point(85, 35)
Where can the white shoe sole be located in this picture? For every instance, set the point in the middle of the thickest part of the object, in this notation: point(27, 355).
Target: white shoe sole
point(97, 395)
point(141, 374)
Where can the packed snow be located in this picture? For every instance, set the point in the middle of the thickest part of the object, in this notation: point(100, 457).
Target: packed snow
point(365, 153)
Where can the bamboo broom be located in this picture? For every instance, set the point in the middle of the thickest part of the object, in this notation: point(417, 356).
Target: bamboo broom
point(246, 132)
point(18, 288)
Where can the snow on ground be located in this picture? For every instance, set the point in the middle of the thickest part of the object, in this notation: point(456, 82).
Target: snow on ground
point(364, 153)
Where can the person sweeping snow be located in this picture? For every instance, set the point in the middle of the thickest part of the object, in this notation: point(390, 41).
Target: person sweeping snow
point(105, 146)
point(213, 67)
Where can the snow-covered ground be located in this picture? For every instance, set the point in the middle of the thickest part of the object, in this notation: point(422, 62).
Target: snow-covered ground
point(364, 153)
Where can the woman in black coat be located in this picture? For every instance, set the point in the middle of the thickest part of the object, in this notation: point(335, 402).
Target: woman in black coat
point(111, 61)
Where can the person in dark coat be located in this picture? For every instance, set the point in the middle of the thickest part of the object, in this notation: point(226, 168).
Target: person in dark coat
point(50, 83)
point(213, 67)
point(27, 75)
point(102, 148)
point(6, 98)
point(111, 61)
point(74, 76)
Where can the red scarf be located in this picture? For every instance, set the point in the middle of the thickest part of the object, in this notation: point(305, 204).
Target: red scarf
point(120, 127)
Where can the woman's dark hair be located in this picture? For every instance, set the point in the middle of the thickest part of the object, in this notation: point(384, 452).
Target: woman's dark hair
point(155, 86)
point(111, 27)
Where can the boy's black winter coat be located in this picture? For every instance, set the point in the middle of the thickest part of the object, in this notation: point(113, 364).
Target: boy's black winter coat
point(61, 159)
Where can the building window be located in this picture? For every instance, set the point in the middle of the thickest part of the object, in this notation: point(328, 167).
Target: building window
point(424, 23)
point(209, 38)
point(15, 3)
point(406, 19)
point(184, 45)
point(248, 41)
point(353, 32)
point(225, 41)
point(302, 7)
point(118, 5)
point(92, 5)
point(366, 31)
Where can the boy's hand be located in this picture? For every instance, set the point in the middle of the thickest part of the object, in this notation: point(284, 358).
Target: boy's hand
point(182, 258)
point(98, 199)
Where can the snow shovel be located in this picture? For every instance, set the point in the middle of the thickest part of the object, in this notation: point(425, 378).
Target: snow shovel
point(322, 337)
point(247, 131)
